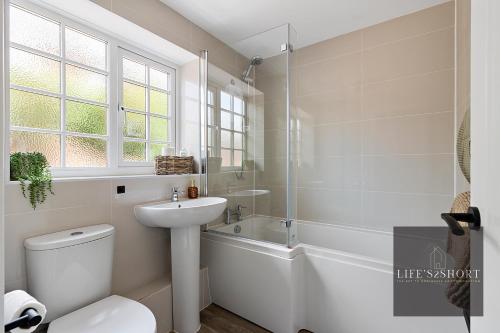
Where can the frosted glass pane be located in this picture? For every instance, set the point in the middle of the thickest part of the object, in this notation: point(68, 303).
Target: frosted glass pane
point(211, 136)
point(29, 70)
point(158, 79)
point(158, 102)
point(134, 97)
point(225, 100)
point(155, 150)
point(85, 49)
point(134, 71)
point(85, 118)
point(238, 157)
point(225, 120)
point(134, 151)
point(85, 84)
point(47, 144)
point(238, 105)
point(158, 128)
point(211, 100)
point(226, 157)
point(225, 138)
point(33, 110)
point(238, 123)
point(135, 125)
point(238, 141)
point(211, 116)
point(34, 31)
point(85, 152)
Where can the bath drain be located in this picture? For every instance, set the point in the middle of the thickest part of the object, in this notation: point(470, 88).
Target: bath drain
point(237, 229)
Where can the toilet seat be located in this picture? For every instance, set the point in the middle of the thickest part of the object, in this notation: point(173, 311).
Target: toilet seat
point(112, 314)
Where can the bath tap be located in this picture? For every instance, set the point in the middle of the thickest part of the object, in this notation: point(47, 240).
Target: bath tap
point(238, 212)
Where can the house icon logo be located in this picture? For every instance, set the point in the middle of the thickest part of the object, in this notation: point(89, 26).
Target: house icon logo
point(437, 258)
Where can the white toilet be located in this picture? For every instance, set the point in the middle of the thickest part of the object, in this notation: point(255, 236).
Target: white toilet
point(70, 272)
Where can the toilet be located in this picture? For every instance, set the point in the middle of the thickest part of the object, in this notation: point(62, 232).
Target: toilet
point(70, 272)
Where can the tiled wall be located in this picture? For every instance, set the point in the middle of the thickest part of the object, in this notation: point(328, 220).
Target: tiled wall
point(141, 254)
point(375, 116)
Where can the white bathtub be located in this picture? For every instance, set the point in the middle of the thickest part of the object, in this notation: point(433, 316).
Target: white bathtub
point(336, 280)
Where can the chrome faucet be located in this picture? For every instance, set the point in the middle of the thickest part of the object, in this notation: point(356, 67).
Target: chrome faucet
point(175, 194)
point(238, 212)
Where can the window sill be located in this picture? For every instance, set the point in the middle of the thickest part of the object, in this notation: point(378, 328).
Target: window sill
point(92, 178)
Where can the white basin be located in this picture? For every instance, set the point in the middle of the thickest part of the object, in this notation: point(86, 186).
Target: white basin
point(183, 213)
point(184, 218)
point(248, 193)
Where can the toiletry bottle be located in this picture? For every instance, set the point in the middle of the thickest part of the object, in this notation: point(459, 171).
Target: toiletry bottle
point(192, 190)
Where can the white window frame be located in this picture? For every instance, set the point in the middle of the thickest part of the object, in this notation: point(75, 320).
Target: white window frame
point(114, 125)
point(216, 89)
point(171, 92)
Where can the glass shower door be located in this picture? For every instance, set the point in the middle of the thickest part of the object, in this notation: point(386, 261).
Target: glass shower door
point(249, 140)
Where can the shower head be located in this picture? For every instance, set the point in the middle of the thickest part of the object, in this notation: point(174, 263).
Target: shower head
point(255, 61)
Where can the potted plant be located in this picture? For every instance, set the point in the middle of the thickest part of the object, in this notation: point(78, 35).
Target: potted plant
point(32, 171)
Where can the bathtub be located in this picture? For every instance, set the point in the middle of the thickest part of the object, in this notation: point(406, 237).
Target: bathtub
point(338, 279)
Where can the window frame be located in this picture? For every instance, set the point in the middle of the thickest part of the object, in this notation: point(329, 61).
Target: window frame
point(171, 118)
point(217, 90)
point(114, 45)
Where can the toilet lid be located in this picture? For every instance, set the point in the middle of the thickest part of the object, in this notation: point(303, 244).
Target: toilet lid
point(112, 314)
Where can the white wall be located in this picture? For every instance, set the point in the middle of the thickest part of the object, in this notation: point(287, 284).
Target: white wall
point(485, 146)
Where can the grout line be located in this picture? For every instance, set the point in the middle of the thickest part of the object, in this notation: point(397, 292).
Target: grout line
point(436, 194)
point(380, 118)
point(363, 49)
point(362, 83)
point(450, 27)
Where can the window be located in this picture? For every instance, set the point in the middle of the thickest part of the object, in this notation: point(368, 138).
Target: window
point(232, 129)
point(66, 85)
point(213, 150)
point(146, 102)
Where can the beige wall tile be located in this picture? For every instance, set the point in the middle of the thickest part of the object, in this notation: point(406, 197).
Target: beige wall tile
point(409, 174)
point(427, 93)
point(332, 74)
point(336, 139)
point(431, 19)
point(141, 254)
point(329, 206)
point(332, 172)
point(422, 54)
point(384, 210)
point(423, 134)
point(339, 105)
point(331, 48)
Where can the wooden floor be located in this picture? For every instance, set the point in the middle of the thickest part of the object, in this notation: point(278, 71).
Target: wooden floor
point(215, 319)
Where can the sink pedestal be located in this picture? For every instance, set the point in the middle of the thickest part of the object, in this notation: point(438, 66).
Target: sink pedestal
point(184, 218)
point(185, 244)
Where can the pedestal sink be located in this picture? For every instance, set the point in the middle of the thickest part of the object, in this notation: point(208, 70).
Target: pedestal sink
point(184, 217)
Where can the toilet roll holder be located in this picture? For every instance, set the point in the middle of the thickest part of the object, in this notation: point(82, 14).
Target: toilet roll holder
point(29, 318)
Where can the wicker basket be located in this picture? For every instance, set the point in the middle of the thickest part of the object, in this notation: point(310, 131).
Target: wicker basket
point(173, 165)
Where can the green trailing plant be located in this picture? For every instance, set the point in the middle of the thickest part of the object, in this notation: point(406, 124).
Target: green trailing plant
point(32, 171)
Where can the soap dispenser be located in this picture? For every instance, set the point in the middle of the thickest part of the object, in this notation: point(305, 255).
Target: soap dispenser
point(192, 190)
